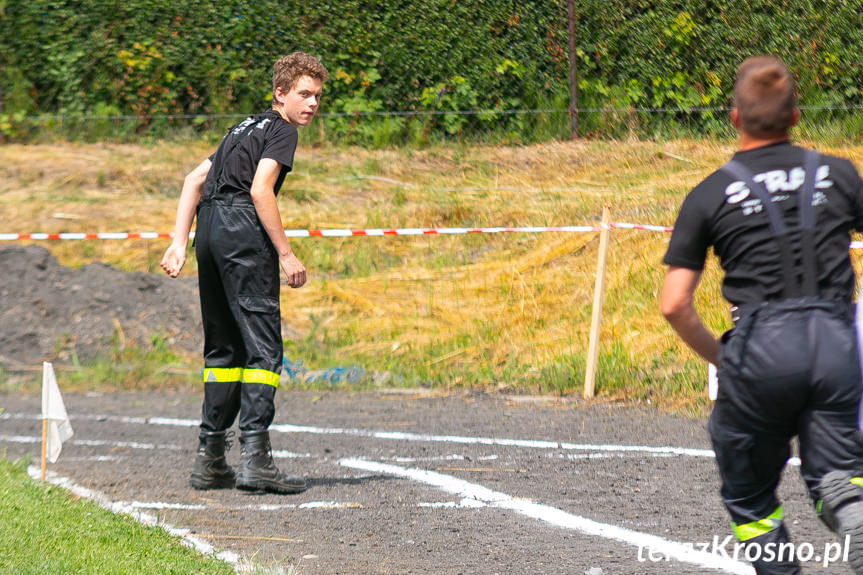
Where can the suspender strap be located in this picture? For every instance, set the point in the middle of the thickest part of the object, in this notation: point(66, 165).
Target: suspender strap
point(790, 289)
point(782, 233)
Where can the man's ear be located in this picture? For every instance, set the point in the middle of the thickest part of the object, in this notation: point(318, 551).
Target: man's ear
point(735, 118)
point(279, 95)
point(795, 117)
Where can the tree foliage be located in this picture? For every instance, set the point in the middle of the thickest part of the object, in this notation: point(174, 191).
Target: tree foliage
point(148, 58)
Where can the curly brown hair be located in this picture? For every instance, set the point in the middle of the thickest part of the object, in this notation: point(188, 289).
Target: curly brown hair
point(289, 69)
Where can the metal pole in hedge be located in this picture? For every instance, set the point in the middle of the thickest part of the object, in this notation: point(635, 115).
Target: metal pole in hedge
point(573, 75)
point(596, 314)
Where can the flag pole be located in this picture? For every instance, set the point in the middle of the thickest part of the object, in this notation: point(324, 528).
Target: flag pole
point(44, 445)
point(45, 399)
point(56, 427)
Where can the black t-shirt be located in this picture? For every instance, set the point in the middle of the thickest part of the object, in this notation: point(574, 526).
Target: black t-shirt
point(721, 212)
point(266, 135)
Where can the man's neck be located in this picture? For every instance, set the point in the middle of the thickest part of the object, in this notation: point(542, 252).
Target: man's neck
point(747, 142)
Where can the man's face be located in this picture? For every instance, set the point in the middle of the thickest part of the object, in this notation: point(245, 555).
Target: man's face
point(299, 104)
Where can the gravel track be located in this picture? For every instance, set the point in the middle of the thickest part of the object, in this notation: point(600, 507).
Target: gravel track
point(136, 447)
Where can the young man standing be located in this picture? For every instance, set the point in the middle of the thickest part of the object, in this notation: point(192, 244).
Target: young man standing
point(779, 219)
point(239, 246)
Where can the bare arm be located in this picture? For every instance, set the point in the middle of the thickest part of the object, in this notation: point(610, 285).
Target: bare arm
point(676, 304)
point(264, 198)
point(175, 256)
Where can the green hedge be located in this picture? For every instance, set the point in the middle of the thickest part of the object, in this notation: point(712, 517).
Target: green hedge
point(147, 58)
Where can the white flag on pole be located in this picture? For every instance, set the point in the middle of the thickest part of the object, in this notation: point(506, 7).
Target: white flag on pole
point(54, 412)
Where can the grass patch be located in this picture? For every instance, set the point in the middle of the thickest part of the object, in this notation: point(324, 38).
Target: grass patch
point(48, 530)
point(123, 366)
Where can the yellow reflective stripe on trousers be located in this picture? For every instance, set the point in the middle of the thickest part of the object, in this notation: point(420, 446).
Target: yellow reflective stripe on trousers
point(261, 376)
point(858, 481)
point(222, 374)
point(748, 531)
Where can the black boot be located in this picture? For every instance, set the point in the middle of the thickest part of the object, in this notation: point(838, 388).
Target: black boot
point(211, 471)
point(257, 470)
point(771, 557)
point(842, 511)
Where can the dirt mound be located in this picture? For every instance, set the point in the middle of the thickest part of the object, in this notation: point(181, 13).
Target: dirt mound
point(47, 310)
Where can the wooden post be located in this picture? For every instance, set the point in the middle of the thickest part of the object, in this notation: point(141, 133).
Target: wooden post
point(596, 315)
point(44, 445)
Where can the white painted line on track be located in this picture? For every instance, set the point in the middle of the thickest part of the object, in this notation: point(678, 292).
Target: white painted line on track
point(326, 505)
point(667, 548)
point(160, 505)
point(282, 454)
point(468, 440)
point(21, 438)
point(466, 503)
point(93, 442)
point(145, 518)
point(392, 435)
point(173, 422)
point(278, 454)
point(96, 458)
point(451, 457)
point(126, 444)
point(408, 436)
point(81, 417)
point(575, 456)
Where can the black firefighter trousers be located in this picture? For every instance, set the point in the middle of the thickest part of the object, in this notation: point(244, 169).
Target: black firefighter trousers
point(787, 368)
point(238, 273)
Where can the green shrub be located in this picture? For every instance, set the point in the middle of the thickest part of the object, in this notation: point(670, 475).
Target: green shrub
point(148, 59)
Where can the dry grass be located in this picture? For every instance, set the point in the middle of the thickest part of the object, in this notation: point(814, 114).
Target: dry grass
point(507, 309)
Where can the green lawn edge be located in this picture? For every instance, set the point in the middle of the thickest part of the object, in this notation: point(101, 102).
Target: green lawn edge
point(47, 529)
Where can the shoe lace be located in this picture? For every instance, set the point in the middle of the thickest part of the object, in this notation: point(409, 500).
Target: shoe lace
point(229, 439)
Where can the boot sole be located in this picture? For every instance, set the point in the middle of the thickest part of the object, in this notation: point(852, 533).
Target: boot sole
point(836, 489)
point(263, 485)
point(198, 482)
point(846, 500)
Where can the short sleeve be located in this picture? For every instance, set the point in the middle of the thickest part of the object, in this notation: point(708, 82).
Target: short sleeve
point(690, 238)
point(280, 144)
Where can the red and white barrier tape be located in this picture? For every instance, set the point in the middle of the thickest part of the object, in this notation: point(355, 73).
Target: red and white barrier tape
point(341, 233)
point(338, 233)
point(79, 236)
point(623, 226)
point(434, 231)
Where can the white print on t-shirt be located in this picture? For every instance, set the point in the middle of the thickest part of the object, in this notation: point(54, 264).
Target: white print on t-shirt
point(776, 182)
point(241, 127)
